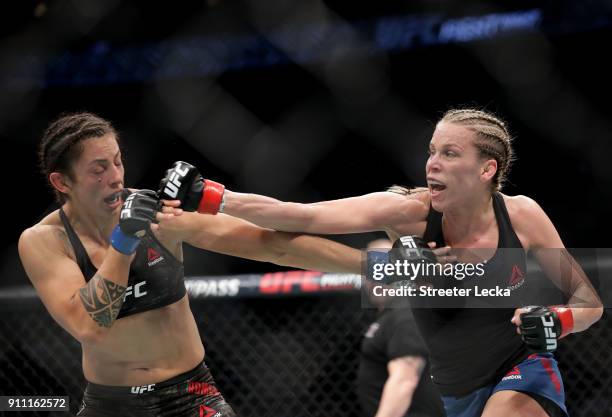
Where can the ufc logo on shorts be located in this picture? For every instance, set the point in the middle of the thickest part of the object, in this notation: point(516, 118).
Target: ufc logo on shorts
point(408, 242)
point(549, 332)
point(174, 181)
point(142, 389)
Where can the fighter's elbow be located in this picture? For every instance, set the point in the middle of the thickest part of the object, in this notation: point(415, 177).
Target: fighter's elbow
point(596, 310)
point(276, 247)
point(597, 313)
point(85, 328)
point(586, 317)
point(91, 335)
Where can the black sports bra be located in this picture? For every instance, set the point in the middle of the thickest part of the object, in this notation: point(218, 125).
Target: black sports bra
point(156, 277)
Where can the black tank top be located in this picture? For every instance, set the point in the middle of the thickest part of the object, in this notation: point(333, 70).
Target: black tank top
point(471, 348)
point(156, 277)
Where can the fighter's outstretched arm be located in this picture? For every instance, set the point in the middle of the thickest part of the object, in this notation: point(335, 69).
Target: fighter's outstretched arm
point(372, 212)
point(237, 237)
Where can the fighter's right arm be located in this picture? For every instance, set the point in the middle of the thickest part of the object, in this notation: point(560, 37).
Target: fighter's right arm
point(85, 310)
point(371, 212)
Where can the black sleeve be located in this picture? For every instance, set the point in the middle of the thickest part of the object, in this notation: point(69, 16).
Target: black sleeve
point(403, 338)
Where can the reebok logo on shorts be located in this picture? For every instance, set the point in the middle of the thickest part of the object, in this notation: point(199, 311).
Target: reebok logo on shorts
point(515, 373)
point(209, 412)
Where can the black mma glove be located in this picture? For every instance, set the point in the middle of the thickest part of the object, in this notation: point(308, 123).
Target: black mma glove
point(137, 213)
point(183, 182)
point(541, 327)
point(412, 249)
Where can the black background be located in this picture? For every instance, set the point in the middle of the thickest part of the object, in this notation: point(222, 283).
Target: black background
point(563, 141)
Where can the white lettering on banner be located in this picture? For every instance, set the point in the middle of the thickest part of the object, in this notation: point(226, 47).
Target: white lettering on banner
point(214, 288)
point(340, 280)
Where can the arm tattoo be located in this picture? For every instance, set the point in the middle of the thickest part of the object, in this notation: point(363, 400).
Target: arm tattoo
point(102, 299)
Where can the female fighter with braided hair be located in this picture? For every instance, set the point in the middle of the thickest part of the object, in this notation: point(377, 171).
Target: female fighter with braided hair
point(479, 363)
point(114, 280)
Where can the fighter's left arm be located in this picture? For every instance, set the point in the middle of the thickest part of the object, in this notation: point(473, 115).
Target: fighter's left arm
point(584, 306)
point(232, 236)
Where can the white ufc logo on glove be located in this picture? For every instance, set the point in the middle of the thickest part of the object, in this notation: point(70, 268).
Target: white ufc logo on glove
point(174, 181)
point(126, 212)
point(549, 332)
point(408, 242)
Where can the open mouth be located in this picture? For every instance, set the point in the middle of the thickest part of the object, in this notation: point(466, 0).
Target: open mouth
point(114, 199)
point(436, 187)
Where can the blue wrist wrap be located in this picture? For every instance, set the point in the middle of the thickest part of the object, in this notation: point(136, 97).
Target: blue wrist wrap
point(126, 244)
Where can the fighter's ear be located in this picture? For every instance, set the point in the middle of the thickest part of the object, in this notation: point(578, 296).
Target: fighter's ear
point(60, 182)
point(488, 170)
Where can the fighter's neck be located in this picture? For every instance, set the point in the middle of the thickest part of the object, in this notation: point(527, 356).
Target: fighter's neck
point(469, 220)
point(94, 226)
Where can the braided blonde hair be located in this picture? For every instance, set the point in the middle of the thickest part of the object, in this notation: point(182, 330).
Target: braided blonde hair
point(492, 138)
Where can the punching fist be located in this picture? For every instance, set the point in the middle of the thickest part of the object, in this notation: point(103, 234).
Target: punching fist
point(413, 249)
point(137, 214)
point(183, 182)
point(541, 327)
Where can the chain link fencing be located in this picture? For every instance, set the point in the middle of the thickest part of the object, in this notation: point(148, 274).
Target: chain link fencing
point(289, 356)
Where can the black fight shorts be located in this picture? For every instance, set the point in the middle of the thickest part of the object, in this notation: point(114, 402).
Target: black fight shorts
point(192, 394)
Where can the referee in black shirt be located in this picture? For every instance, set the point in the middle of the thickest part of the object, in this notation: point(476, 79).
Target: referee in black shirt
point(393, 378)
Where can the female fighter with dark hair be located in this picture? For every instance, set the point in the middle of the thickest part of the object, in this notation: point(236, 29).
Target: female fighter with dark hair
point(114, 280)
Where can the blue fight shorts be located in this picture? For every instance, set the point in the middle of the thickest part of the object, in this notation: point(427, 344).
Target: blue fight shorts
point(537, 376)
